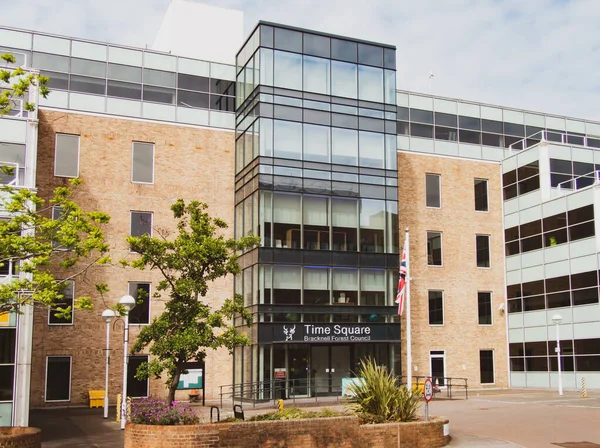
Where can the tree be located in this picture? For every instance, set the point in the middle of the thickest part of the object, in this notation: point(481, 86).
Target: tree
point(188, 262)
point(49, 251)
point(20, 81)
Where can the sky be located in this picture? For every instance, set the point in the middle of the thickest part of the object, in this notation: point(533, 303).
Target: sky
point(541, 55)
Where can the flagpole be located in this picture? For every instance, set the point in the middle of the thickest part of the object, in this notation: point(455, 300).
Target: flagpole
point(408, 332)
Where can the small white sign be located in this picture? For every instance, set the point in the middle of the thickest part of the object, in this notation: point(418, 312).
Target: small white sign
point(447, 429)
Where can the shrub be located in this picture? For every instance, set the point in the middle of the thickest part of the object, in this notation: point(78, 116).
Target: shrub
point(152, 411)
point(293, 413)
point(379, 399)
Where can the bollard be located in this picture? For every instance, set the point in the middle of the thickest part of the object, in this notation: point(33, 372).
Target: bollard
point(280, 405)
point(583, 388)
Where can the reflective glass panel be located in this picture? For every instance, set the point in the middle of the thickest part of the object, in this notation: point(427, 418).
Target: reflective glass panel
point(344, 147)
point(370, 83)
point(316, 143)
point(316, 75)
point(372, 149)
point(287, 140)
point(344, 79)
point(288, 70)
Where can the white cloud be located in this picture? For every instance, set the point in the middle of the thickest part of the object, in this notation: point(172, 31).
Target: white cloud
point(540, 54)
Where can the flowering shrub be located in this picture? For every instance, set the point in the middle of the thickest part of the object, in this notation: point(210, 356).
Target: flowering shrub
point(152, 411)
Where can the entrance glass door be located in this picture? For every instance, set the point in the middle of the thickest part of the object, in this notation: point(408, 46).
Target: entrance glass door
point(328, 365)
point(438, 366)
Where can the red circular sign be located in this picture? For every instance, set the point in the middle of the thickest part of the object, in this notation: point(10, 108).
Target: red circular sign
point(428, 390)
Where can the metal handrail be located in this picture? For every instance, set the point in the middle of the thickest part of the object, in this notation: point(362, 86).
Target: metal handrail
point(592, 174)
point(448, 383)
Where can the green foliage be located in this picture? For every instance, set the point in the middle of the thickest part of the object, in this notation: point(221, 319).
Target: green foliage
point(293, 413)
point(378, 397)
point(188, 262)
point(20, 82)
point(150, 411)
point(48, 252)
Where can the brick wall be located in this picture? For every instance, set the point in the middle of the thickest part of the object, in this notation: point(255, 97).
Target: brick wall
point(190, 163)
point(338, 432)
point(461, 336)
point(19, 437)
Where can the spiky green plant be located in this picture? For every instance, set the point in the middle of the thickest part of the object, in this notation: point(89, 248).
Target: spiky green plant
point(379, 399)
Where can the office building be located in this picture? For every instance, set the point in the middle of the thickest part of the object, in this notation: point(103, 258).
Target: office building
point(305, 140)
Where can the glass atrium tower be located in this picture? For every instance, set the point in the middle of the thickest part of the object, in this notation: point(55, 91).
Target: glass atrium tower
point(316, 179)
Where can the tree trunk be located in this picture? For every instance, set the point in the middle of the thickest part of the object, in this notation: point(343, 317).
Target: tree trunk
point(174, 383)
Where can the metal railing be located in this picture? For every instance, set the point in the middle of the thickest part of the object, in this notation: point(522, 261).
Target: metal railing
point(579, 182)
point(550, 136)
point(306, 390)
point(440, 384)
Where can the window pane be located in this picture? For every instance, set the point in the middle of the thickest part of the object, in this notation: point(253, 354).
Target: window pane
point(143, 162)
point(442, 119)
point(66, 161)
point(158, 94)
point(58, 81)
point(88, 68)
point(191, 82)
point(7, 344)
point(582, 214)
point(371, 149)
point(344, 79)
point(50, 62)
point(140, 314)
point(370, 83)
point(344, 220)
point(469, 137)
point(288, 40)
point(141, 223)
point(484, 302)
point(481, 195)
point(486, 366)
point(372, 225)
point(125, 90)
point(436, 308)
point(469, 123)
point(434, 248)
point(58, 378)
point(136, 388)
point(446, 134)
point(287, 140)
point(317, 45)
point(432, 190)
point(316, 75)
point(66, 301)
point(343, 50)
point(159, 78)
point(423, 116)
point(483, 251)
point(344, 146)
point(492, 140)
point(88, 85)
point(124, 73)
point(288, 70)
point(192, 99)
point(421, 130)
point(316, 143)
point(492, 126)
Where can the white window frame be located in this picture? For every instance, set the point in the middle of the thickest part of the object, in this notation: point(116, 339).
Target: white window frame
point(443, 356)
point(72, 309)
point(489, 237)
point(493, 365)
point(131, 212)
point(439, 176)
point(491, 309)
point(443, 310)
point(153, 159)
point(56, 150)
point(70, 378)
point(139, 324)
point(487, 194)
point(441, 248)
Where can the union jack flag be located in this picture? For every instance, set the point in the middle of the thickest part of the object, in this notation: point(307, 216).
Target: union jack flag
point(401, 295)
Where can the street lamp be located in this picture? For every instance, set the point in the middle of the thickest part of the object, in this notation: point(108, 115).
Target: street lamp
point(108, 316)
point(128, 303)
point(557, 319)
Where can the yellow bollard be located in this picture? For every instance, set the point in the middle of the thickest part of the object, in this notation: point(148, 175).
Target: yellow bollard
point(280, 405)
point(118, 407)
point(583, 388)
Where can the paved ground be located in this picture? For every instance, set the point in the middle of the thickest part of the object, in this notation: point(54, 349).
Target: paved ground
point(513, 418)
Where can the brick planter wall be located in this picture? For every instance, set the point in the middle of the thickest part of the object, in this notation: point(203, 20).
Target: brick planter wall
point(20, 437)
point(339, 432)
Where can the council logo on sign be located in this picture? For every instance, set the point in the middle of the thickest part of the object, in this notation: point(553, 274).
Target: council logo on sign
point(289, 332)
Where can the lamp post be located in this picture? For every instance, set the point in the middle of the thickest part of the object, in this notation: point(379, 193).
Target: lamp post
point(108, 316)
point(128, 303)
point(557, 319)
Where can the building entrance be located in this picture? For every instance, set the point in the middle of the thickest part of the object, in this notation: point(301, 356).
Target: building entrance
point(329, 364)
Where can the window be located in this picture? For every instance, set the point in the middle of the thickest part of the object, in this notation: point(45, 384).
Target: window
point(142, 166)
point(136, 388)
point(436, 308)
point(58, 378)
point(140, 314)
point(434, 248)
point(483, 251)
point(141, 223)
point(66, 155)
point(432, 190)
point(484, 305)
point(486, 366)
point(481, 195)
point(58, 214)
point(66, 301)
point(8, 337)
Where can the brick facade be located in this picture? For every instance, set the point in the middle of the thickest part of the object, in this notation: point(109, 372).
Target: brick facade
point(338, 432)
point(190, 163)
point(19, 437)
point(461, 336)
